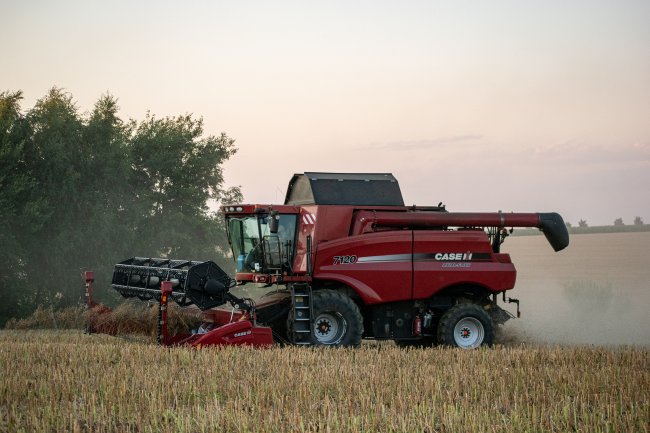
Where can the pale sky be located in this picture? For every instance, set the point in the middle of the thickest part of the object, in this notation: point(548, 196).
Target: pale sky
point(502, 105)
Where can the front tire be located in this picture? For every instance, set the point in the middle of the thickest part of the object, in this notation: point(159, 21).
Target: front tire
point(467, 326)
point(337, 320)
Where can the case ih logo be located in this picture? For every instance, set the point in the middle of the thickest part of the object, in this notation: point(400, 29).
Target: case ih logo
point(448, 257)
point(309, 219)
point(241, 334)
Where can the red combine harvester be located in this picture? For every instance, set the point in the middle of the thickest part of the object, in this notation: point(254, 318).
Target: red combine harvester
point(344, 259)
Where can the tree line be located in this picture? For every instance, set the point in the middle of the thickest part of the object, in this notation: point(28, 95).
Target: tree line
point(638, 221)
point(84, 191)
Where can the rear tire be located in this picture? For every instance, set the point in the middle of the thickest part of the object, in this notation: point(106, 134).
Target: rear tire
point(337, 320)
point(467, 326)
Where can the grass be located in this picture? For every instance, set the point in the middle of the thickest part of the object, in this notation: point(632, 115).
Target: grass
point(68, 381)
point(49, 318)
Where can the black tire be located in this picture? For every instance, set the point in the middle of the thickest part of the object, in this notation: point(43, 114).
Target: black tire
point(337, 320)
point(467, 326)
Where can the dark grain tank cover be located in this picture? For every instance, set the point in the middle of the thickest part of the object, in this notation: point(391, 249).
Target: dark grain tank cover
point(359, 189)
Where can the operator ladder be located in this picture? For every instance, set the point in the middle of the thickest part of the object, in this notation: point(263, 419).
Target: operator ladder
point(302, 313)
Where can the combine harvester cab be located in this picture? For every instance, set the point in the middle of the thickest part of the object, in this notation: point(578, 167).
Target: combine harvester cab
point(348, 260)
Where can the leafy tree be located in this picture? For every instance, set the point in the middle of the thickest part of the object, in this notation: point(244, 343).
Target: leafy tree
point(56, 164)
point(177, 172)
point(84, 192)
point(582, 223)
point(618, 222)
point(22, 210)
point(638, 221)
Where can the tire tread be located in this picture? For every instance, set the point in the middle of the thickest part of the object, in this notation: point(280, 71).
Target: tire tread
point(459, 311)
point(335, 300)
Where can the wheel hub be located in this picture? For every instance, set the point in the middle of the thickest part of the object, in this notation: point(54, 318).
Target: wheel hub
point(329, 328)
point(324, 327)
point(469, 333)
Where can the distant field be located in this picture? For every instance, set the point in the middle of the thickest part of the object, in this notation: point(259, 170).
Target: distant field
point(597, 291)
point(590, 230)
point(65, 381)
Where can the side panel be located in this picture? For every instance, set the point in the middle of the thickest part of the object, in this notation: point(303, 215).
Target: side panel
point(445, 258)
point(306, 223)
point(377, 266)
point(333, 223)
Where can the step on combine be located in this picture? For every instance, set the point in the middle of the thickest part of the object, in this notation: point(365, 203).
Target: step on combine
point(343, 259)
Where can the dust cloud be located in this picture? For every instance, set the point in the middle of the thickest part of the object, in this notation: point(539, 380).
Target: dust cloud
point(595, 292)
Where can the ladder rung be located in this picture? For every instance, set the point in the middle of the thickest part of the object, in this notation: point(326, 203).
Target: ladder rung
point(302, 309)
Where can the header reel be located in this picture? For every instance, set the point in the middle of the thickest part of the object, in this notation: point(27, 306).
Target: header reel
point(204, 284)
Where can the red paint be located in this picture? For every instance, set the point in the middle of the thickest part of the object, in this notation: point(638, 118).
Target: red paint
point(377, 281)
point(242, 332)
point(166, 290)
point(365, 220)
point(430, 277)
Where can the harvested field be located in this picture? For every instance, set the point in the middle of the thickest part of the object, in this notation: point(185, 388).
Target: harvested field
point(68, 381)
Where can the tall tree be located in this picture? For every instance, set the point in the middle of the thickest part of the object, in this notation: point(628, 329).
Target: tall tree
point(177, 172)
point(83, 192)
point(56, 162)
point(23, 212)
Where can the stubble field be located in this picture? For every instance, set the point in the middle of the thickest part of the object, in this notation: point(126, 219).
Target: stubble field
point(67, 381)
point(566, 365)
